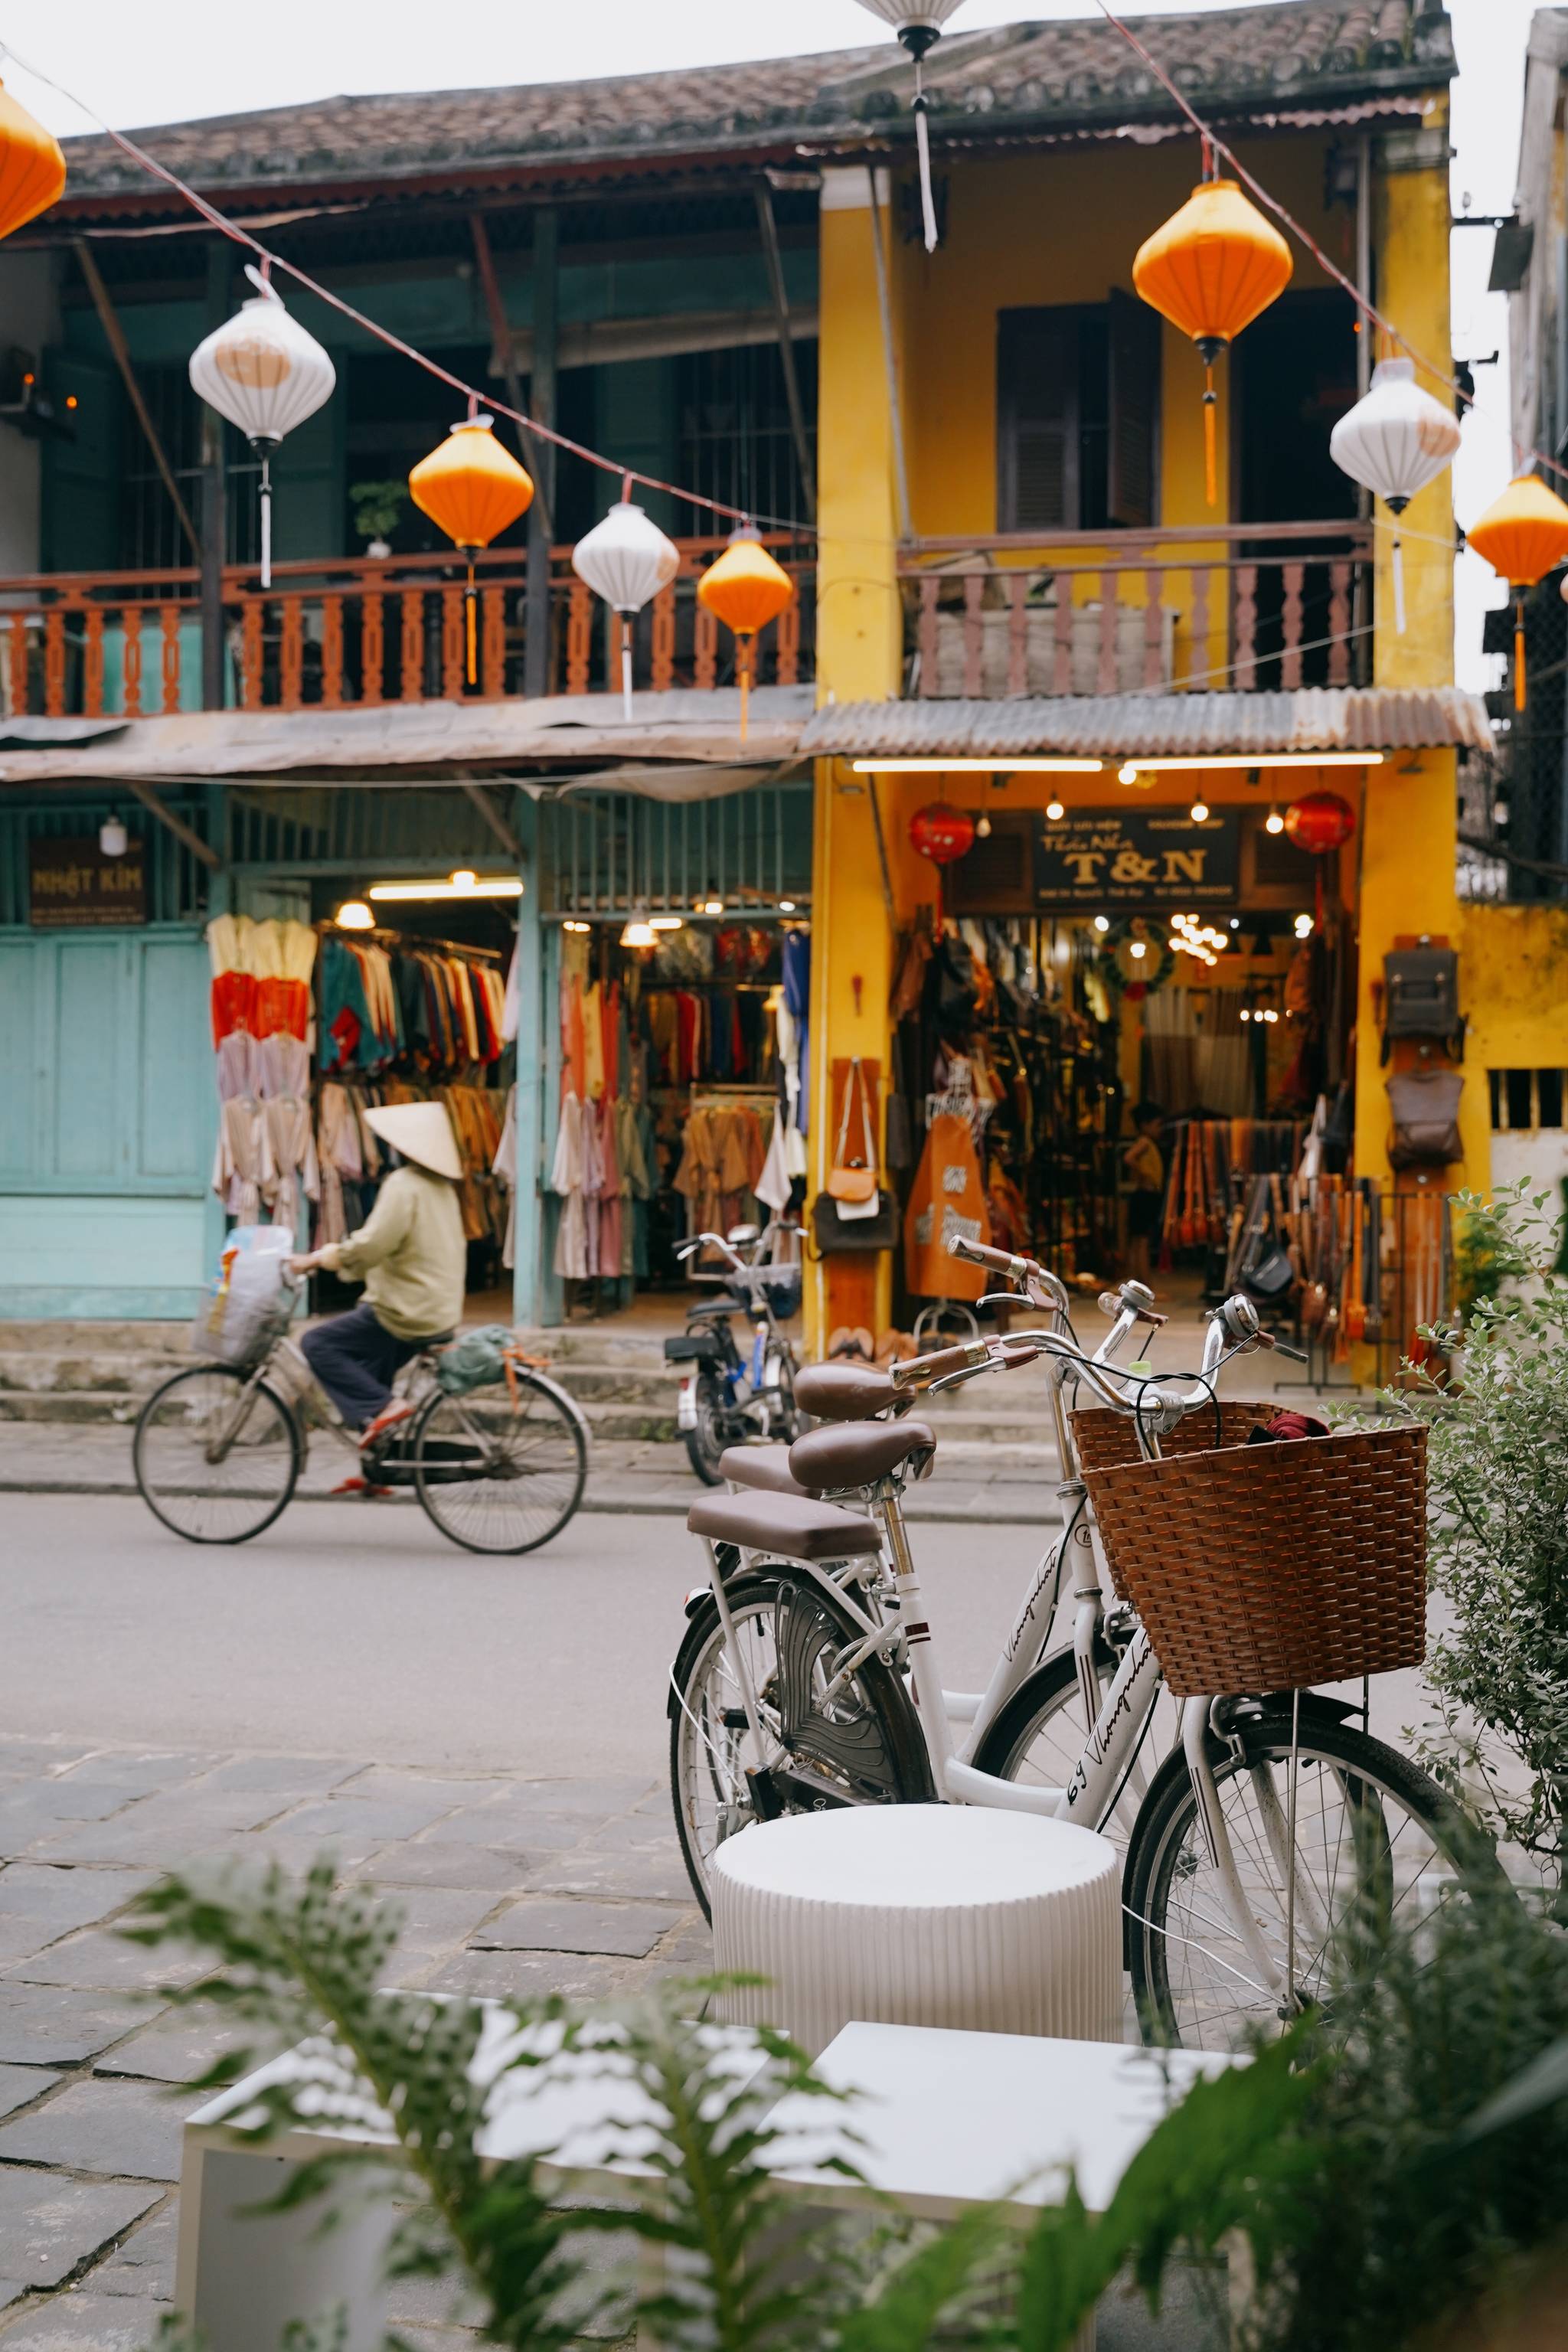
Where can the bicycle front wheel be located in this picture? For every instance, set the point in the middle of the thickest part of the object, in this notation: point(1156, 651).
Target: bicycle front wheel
point(216, 1454)
point(1377, 1842)
point(500, 1469)
point(1039, 1737)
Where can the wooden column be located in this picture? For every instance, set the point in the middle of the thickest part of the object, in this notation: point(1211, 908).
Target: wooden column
point(541, 406)
point(215, 501)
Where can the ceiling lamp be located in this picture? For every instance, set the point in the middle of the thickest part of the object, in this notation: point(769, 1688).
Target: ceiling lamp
point(471, 488)
point(1133, 771)
point(639, 933)
point(1274, 822)
point(940, 767)
point(745, 589)
point(666, 922)
point(32, 165)
point(112, 838)
point(942, 834)
point(1199, 811)
point(1055, 810)
point(266, 375)
point(1210, 270)
point(353, 915)
point(474, 885)
point(1521, 535)
point(626, 560)
point(918, 23)
point(1394, 441)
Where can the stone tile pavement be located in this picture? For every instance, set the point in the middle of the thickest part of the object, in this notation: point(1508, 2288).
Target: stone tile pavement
point(507, 1885)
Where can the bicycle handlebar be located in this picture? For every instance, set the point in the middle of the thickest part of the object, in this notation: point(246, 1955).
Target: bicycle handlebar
point(920, 1371)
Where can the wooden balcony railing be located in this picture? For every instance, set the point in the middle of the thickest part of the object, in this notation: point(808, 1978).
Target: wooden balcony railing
point(1250, 607)
point(333, 636)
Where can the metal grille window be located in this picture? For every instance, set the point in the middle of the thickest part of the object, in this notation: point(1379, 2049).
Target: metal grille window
point(736, 444)
point(606, 853)
point(1529, 1102)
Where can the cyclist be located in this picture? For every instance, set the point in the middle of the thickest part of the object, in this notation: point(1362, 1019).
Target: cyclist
point(412, 1257)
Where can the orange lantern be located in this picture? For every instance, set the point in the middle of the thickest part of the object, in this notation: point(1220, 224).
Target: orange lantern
point(1522, 534)
point(32, 167)
point(1210, 270)
point(745, 589)
point(472, 487)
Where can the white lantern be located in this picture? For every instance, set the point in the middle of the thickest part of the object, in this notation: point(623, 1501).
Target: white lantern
point(626, 559)
point(918, 23)
point(262, 372)
point(1393, 442)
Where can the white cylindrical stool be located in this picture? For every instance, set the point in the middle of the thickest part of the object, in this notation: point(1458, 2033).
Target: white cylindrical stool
point(921, 1915)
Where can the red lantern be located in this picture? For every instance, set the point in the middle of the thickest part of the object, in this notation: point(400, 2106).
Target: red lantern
point(1319, 822)
point(941, 832)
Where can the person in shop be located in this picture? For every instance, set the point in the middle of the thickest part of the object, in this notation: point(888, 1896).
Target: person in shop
point(1144, 1167)
point(412, 1257)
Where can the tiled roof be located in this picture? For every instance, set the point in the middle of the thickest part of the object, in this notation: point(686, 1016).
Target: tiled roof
point(1043, 78)
point(1140, 726)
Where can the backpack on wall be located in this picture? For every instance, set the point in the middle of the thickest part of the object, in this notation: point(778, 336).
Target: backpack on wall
point(1421, 997)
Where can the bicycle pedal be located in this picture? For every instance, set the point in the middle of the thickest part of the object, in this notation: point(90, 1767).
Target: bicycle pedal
point(361, 1487)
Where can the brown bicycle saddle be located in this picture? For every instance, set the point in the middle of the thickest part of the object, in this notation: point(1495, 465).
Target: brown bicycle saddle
point(843, 1392)
point(783, 1526)
point(857, 1453)
point(765, 1468)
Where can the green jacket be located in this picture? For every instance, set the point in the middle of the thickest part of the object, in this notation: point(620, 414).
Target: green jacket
point(411, 1255)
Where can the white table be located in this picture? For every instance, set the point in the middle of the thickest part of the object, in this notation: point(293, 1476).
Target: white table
point(948, 2120)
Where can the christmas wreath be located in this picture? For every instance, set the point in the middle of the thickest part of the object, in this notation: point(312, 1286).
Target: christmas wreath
point(1135, 956)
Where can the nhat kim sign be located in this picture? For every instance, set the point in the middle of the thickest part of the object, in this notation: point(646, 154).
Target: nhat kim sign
point(1096, 858)
point(75, 886)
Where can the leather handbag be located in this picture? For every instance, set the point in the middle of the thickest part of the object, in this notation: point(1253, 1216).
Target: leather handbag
point(835, 1234)
point(852, 1178)
point(1424, 1107)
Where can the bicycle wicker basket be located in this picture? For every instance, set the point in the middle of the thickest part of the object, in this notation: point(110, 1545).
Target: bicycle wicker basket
point(1108, 1440)
point(1261, 1567)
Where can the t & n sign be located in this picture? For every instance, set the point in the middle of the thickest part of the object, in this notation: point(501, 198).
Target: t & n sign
point(1138, 858)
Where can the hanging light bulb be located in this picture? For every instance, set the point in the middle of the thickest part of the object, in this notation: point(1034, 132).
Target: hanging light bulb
point(639, 933)
point(1199, 811)
point(472, 488)
point(353, 915)
point(1394, 441)
point(918, 23)
point(266, 375)
point(1210, 269)
point(1102, 923)
point(1055, 810)
point(1127, 774)
point(1274, 822)
point(745, 589)
point(626, 560)
point(1521, 535)
point(112, 838)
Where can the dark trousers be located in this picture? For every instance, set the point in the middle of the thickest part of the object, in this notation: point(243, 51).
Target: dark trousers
point(355, 1359)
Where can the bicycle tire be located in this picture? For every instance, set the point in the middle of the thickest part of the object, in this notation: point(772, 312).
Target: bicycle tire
point(884, 1703)
point(704, 1443)
point(148, 1423)
point(440, 1480)
point(1167, 1848)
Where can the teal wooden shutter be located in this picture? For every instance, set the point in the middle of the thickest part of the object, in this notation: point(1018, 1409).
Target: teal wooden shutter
point(1036, 420)
point(1133, 494)
point(80, 519)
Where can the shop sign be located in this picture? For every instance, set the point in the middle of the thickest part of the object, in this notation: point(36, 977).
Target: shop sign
point(72, 885)
point(1138, 858)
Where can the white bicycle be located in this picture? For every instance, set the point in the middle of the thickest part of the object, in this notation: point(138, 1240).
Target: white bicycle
point(808, 1676)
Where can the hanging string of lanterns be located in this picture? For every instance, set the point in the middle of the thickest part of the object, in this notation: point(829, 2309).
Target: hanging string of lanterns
point(1522, 534)
point(626, 560)
point(918, 23)
point(1394, 441)
point(263, 373)
point(471, 488)
point(745, 589)
point(1211, 268)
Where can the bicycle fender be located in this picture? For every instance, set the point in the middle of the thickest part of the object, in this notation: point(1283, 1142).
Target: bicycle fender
point(564, 1398)
point(731, 1565)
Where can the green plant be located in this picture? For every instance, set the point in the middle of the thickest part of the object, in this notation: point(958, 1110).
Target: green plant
point(1426, 2169)
point(1498, 1471)
point(301, 1960)
point(378, 508)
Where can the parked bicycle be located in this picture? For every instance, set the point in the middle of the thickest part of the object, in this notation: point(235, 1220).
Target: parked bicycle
point(1255, 1830)
point(500, 1466)
point(727, 1398)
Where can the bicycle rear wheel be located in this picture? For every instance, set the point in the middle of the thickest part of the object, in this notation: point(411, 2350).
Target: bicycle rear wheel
point(1377, 1843)
point(216, 1454)
point(501, 1469)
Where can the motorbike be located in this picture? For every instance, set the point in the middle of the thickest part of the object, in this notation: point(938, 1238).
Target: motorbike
point(730, 1394)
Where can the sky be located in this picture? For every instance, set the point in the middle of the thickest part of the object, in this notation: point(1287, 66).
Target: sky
point(220, 59)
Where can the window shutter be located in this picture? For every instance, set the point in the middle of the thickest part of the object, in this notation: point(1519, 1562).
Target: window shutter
point(1037, 421)
point(1132, 457)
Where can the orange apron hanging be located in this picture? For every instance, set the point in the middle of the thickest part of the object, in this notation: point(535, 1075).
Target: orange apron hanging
point(948, 1197)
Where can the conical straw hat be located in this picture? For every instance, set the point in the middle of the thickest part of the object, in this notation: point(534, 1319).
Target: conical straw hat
point(421, 1131)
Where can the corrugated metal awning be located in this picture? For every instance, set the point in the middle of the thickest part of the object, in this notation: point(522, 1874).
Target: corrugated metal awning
point(1147, 726)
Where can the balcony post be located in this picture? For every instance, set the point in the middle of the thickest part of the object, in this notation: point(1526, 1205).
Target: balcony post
point(542, 405)
point(215, 519)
